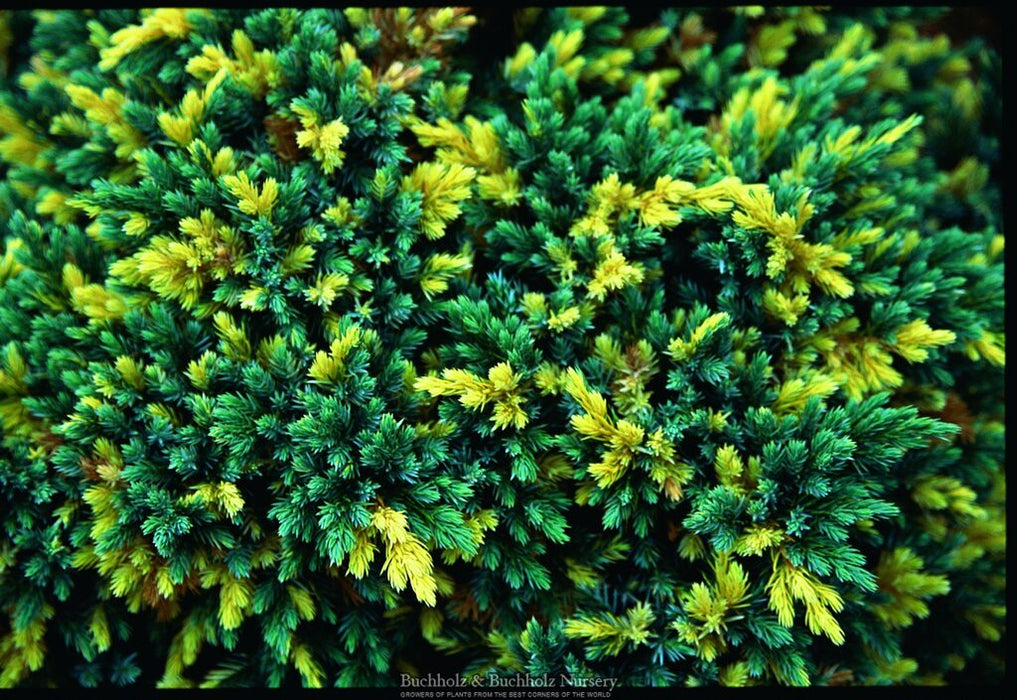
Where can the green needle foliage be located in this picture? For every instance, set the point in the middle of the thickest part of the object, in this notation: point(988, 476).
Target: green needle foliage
point(342, 344)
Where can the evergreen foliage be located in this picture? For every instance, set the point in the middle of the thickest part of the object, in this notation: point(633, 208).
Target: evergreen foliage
point(339, 344)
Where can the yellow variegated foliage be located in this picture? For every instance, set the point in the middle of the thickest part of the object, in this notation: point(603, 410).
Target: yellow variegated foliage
point(789, 584)
point(735, 675)
point(716, 421)
point(549, 379)
point(108, 461)
point(326, 288)
point(709, 606)
point(329, 367)
point(502, 387)
point(582, 575)
point(303, 602)
point(647, 38)
point(134, 572)
point(613, 631)
point(105, 110)
point(324, 140)
point(235, 594)
point(613, 272)
point(969, 177)
point(681, 349)
point(786, 307)
point(362, 554)
point(938, 492)
point(608, 200)
point(566, 46)
point(250, 200)
point(409, 562)
point(621, 437)
point(441, 187)
point(666, 469)
point(182, 127)
point(801, 262)
point(162, 23)
point(794, 393)
point(560, 321)
point(692, 547)
point(99, 627)
point(915, 337)
point(57, 205)
point(729, 465)
point(633, 369)
point(440, 268)
point(136, 224)
point(198, 370)
point(234, 343)
point(15, 418)
point(470, 162)
point(989, 346)
point(624, 440)
point(478, 149)
point(340, 213)
point(255, 71)
point(862, 365)
point(9, 266)
point(896, 672)
point(20, 145)
point(847, 148)
point(771, 114)
point(899, 575)
point(534, 304)
point(659, 206)
point(758, 539)
point(131, 370)
point(183, 651)
point(612, 66)
point(97, 302)
point(770, 45)
point(560, 253)
point(222, 162)
point(224, 497)
point(406, 558)
point(24, 648)
point(984, 531)
point(308, 667)
point(392, 524)
point(522, 58)
point(989, 621)
point(179, 269)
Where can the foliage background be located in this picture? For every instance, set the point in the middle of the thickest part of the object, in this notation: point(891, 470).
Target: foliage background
point(660, 344)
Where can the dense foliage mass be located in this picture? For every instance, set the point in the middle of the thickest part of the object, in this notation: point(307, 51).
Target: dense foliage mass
point(339, 344)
